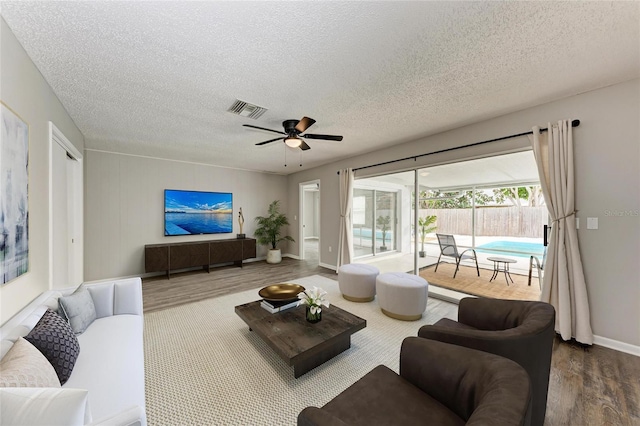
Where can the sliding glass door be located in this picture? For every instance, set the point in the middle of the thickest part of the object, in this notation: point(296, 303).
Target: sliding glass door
point(363, 222)
point(374, 221)
point(386, 222)
point(490, 204)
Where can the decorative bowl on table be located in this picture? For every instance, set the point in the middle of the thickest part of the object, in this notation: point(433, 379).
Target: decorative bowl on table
point(280, 292)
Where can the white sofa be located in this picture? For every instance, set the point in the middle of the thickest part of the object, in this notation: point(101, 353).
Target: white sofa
point(110, 365)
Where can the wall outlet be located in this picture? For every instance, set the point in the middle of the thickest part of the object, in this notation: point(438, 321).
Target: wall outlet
point(592, 223)
point(577, 223)
point(295, 217)
point(329, 249)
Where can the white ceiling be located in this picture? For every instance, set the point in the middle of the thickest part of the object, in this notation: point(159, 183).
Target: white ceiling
point(156, 78)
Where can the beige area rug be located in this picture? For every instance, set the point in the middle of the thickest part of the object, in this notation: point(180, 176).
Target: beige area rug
point(204, 366)
point(467, 281)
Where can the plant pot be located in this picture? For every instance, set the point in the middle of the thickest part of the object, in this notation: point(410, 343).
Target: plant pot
point(274, 256)
point(383, 248)
point(422, 253)
point(313, 318)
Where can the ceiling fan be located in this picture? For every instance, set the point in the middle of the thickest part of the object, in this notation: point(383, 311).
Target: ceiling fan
point(293, 130)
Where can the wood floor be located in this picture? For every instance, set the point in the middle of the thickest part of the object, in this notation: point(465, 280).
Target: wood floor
point(467, 281)
point(161, 293)
point(587, 386)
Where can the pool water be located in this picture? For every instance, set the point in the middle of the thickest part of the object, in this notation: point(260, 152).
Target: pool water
point(514, 248)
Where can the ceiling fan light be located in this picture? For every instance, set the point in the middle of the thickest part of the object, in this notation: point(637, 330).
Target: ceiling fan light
point(293, 141)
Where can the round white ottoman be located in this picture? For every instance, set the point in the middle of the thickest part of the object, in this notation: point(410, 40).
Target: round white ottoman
point(402, 296)
point(357, 282)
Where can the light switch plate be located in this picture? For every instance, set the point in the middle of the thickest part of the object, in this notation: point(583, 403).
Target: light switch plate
point(592, 223)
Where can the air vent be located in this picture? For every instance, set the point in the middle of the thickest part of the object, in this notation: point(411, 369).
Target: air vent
point(246, 109)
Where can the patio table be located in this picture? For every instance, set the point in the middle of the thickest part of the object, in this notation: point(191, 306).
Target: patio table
point(501, 264)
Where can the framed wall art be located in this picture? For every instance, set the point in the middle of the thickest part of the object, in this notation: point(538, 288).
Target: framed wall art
point(14, 195)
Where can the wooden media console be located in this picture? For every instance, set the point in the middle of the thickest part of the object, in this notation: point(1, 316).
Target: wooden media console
point(172, 256)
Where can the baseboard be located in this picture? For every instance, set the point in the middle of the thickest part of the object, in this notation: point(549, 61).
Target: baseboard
point(292, 256)
point(617, 345)
point(326, 265)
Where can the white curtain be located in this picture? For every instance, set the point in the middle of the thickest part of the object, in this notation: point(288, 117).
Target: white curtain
point(345, 244)
point(563, 284)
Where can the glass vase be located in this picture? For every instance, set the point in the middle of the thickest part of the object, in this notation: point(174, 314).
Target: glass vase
point(313, 318)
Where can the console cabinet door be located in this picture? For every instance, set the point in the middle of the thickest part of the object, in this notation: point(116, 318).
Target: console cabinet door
point(189, 255)
point(225, 251)
point(248, 248)
point(156, 259)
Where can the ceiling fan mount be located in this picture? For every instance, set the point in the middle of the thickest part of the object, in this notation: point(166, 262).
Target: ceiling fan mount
point(293, 133)
point(290, 126)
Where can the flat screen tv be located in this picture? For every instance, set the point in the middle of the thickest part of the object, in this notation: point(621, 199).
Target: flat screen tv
point(197, 212)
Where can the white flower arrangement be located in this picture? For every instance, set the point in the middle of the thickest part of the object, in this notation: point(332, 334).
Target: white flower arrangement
point(314, 298)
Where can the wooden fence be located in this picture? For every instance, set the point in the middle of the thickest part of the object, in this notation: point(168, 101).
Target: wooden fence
point(491, 221)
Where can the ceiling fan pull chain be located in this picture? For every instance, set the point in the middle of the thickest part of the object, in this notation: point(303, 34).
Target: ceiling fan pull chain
point(285, 156)
point(300, 158)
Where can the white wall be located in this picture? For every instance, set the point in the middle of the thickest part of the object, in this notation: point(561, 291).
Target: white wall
point(607, 162)
point(24, 90)
point(124, 206)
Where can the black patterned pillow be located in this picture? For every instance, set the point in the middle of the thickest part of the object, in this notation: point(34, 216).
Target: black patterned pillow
point(58, 343)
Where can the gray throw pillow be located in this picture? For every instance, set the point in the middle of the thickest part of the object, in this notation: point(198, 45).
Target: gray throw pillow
point(79, 309)
point(55, 339)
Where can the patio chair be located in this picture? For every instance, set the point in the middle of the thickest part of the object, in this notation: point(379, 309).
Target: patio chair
point(539, 266)
point(449, 248)
point(534, 259)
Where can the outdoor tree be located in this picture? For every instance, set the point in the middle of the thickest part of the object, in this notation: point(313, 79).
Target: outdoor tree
point(515, 196)
point(452, 199)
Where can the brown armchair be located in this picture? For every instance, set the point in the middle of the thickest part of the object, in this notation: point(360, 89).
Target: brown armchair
point(439, 384)
point(522, 331)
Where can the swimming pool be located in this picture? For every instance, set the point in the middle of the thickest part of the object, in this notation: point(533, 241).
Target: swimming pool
point(513, 248)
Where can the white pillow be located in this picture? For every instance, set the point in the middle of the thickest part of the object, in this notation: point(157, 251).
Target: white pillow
point(25, 366)
point(44, 407)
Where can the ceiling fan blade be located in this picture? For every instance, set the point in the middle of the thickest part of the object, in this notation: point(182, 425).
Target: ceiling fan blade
point(304, 124)
point(325, 137)
point(304, 146)
point(269, 141)
point(262, 128)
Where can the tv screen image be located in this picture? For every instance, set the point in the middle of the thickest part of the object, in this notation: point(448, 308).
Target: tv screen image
point(197, 212)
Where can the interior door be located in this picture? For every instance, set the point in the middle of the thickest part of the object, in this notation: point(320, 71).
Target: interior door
point(67, 221)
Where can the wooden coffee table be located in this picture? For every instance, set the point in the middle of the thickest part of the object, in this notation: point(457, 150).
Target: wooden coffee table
point(298, 342)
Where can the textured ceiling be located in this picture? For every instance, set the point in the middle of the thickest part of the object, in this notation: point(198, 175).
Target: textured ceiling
point(156, 78)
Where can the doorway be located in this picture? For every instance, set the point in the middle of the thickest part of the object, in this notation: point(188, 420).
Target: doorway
point(65, 212)
point(310, 221)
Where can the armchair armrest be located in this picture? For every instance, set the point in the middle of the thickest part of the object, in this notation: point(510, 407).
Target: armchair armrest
point(44, 406)
point(132, 416)
point(314, 416)
point(504, 343)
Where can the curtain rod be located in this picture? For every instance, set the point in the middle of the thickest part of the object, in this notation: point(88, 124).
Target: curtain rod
point(574, 123)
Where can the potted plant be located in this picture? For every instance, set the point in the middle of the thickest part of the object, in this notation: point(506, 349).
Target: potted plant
point(268, 231)
point(314, 299)
point(383, 223)
point(425, 228)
